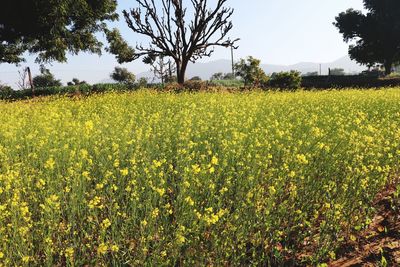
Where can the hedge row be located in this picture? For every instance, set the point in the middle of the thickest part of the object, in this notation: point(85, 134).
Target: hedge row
point(62, 90)
point(351, 81)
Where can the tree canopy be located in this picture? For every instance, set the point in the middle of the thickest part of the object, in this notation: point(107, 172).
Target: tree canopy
point(123, 75)
point(45, 79)
point(51, 28)
point(182, 30)
point(250, 71)
point(376, 34)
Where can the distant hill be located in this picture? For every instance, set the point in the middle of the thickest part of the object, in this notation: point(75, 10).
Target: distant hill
point(205, 70)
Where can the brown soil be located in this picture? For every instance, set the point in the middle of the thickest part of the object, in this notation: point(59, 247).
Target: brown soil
point(380, 242)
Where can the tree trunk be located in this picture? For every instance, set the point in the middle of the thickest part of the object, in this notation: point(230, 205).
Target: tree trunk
point(30, 80)
point(388, 67)
point(181, 71)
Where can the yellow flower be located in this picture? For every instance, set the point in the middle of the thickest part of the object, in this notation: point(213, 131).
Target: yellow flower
point(69, 253)
point(157, 163)
point(302, 159)
point(40, 183)
point(114, 248)
point(106, 224)
point(26, 259)
point(155, 213)
point(272, 190)
point(102, 249)
point(190, 201)
point(160, 191)
point(124, 172)
point(1, 255)
point(223, 190)
point(50, 163)
point(214, 160)
point(196, 168)
point(89, 126)
point(99, 186)
point(180, 239)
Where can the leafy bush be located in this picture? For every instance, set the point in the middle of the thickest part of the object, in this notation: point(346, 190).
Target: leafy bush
point(286, 80)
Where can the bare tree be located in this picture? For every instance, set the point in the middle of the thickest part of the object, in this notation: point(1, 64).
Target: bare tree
point(22, 81)
point(173, 34)
point(163, 69)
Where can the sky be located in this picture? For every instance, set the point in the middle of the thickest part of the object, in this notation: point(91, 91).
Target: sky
point(281, 32)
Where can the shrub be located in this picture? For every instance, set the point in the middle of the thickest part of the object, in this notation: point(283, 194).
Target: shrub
point(195, 78)
point(195, 86)
point(45, 79)
point(5, 91)
point(227, 83)
point(286, 80)
point(172, 87)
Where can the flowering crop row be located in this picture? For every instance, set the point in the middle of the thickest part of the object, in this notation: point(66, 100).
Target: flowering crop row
point(192, 179)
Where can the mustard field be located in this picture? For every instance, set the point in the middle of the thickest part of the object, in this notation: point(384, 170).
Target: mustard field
point(205, 179)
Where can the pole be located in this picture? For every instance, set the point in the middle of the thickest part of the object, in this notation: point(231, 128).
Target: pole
point(233, 64)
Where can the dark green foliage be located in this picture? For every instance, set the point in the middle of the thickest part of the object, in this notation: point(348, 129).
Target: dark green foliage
point(222, 76)
point(195, 78)
point(314, 73)
point(171, 79)
point(51, 28)
point(337, 72)
point(250, 71)
point(5, 91)
point(217, 76)
point(122, 75)
point(45, 79)
point(122, 51)
point(363, 81)
point(142, 82)
point(227, 83)
point(372, 73)
point(82, 89)
point(229, 76)
point(286, 80)
point(376, 34)
point(76, 81)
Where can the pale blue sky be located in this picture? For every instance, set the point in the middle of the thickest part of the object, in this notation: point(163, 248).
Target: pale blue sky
point(276, 31)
